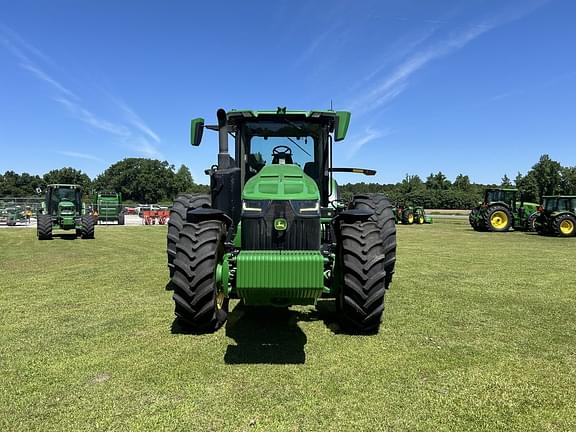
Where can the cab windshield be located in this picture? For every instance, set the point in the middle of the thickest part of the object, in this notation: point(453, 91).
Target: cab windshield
point(277, 142)
point(60, 194)
point(499, 195)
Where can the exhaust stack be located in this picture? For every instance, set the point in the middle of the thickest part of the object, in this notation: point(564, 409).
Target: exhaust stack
point(223, 155)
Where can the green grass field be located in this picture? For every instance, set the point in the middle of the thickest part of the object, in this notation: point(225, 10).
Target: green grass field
point(479, 335)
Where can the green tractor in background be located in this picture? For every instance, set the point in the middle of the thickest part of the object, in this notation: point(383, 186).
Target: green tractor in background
point(13, 214)
point(108, 208)
point(420, 216)
point(403, 215)
point(272, 232)
point(502, 209)
point(557, 216)
point(63, 209)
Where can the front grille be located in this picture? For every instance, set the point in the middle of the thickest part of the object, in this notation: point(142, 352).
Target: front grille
point(302, 232)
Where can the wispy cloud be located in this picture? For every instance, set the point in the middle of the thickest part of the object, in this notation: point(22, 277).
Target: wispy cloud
point(370, 134)
point(132, 132)
point(135, 120)
point(80, 155)
point(397, 81)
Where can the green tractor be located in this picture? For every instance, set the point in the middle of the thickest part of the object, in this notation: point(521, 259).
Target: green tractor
point(502, 209)
point(403, 215)
point(273, 231)
point(420, 216)
point(13, 214)
point(108, 208)
point(63, 209)
point(557, 216)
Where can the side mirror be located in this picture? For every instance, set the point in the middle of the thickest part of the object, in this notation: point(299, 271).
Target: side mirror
point(341, 125)
point(196, 130)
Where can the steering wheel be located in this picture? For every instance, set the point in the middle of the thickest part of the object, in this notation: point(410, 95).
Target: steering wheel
point(281, 150)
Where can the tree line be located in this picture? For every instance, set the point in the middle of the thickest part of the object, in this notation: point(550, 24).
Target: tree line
point(138, 179)
point(546, 177)
point(149, 181)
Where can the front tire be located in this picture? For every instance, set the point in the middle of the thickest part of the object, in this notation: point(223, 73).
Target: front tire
point(384, 218)
point(44, 227)
point(531, 222)
point(87, 230)
point(121, 219)
point(177, 219)
point(199, 302)
point(564, 225)
point(360, 301)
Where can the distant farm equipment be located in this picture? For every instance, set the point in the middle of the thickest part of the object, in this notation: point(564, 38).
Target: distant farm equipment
point(63, 208)
point(155, 217)
point(408, 215)
point(557, 216)
point(503, 209)
point(108, 208)
point(12, 214)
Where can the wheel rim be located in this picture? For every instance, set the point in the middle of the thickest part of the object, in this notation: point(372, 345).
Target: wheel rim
point(219, 297)
point(566, 227)
point(411, 218)
point(421, 220)
point(499, 219)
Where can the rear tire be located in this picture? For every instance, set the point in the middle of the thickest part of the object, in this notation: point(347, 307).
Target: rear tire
point(177, 219)
point(87, 231)
point(199, 250)
point(360, 302)
point(564, 225)
point(384, 218)
point(498, 219)
point(407, 217)
point(44, 227)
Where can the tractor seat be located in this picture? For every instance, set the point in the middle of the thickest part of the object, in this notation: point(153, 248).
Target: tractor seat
point(282, 158)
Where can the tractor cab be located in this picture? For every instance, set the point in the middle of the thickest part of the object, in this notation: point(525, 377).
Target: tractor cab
point(552, 204)
point(505, 196)
point(63, 197)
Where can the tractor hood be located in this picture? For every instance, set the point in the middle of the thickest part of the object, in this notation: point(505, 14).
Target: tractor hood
point(66, 205)
point(281, 182)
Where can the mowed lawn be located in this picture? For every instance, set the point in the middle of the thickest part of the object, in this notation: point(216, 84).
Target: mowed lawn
point(479, 335)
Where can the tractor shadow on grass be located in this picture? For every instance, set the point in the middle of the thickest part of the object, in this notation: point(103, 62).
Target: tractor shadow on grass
point(265, 336)
point(63, 236)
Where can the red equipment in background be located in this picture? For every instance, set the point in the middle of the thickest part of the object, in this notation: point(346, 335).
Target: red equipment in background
point(153, 217)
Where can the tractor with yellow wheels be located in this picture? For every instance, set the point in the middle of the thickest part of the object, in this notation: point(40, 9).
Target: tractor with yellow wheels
point(503, 209)
point(403, 214)
point(557, 216)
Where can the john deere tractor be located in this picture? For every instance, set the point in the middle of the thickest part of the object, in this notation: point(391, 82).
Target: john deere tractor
point(404, 215)
point(557, 216)
point(273, 232)
point(63, 209)
point(420, 216)
point(503, 209)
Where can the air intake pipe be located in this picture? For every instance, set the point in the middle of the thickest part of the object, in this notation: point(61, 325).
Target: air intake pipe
point(223, 155)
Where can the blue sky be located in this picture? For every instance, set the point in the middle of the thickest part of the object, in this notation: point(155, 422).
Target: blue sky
point(475, 87)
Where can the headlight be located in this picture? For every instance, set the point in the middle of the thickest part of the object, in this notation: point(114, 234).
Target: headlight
point(253, 206)
point(308, 207)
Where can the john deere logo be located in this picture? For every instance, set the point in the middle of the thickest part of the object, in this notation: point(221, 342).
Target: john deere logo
point(280, 224)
